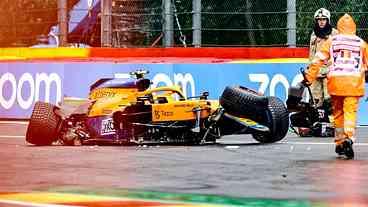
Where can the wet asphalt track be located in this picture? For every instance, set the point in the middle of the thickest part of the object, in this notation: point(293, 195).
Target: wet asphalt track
point(298, 168)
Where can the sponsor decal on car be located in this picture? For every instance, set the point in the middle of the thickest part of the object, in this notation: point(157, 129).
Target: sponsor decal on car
point(184, 105)
point(103, 94)
point(107, 127)
point(158, 114)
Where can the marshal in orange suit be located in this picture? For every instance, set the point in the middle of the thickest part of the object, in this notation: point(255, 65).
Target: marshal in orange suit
point(345, 80)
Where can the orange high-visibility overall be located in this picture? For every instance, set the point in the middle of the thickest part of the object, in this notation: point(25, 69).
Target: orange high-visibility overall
point(345, 79)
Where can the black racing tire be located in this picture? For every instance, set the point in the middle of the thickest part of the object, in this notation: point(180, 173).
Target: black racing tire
point(243, 102)
point(43, 125)
point(276, 118)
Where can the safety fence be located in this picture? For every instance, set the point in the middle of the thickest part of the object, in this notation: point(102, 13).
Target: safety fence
point(169, 23)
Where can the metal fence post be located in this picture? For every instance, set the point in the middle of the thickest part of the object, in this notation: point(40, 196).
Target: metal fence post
point(168, 25)
point(291, 23)
point(197, 23)
point(106, 27)
point(63, 21)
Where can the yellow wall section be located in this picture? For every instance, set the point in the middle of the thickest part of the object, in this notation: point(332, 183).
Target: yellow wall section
point(42, 53)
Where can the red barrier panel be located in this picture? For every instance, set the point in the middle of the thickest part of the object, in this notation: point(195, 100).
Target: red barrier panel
point(230, 53)
point(177, 55)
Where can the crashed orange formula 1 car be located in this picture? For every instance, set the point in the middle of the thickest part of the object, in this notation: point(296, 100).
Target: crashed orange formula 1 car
point(128, 111)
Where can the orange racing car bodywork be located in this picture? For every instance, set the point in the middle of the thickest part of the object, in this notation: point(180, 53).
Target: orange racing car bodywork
point(125, 111)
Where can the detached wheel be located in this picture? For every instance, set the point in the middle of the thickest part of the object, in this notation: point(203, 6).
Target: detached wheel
point(243, 102)
point(276, 118)
point(43, 126)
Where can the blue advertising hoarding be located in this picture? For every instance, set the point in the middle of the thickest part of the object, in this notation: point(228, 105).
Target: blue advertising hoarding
point(22, 84)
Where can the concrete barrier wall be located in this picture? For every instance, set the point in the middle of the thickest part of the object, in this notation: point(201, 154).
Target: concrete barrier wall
point(22, 84)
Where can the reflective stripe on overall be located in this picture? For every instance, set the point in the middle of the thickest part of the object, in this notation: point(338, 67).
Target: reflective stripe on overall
point(346, 61)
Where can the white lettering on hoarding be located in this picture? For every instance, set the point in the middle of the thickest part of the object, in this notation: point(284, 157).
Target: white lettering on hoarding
point(161, 78)
point(179, 79)
point(184, 81)
point(267, 83)
point(8, 77)
point(278, 78)
point(47, 80)
point(25, 104)
point(26, 96)
point(261, 78)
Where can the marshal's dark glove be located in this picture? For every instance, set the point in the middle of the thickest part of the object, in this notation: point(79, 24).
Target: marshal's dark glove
point(305, 83)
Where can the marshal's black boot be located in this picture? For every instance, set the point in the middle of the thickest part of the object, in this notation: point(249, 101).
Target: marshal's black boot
point(348, 149)
point(339, 149)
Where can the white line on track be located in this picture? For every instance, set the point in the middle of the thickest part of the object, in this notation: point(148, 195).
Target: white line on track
point(11, 136)
point(14, 122)
point(320, 143)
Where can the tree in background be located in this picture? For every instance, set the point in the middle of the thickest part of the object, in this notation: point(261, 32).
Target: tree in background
point(244, 22)
point(22, 21)
point(233, 22)
point(305, 11)
point(263, 22)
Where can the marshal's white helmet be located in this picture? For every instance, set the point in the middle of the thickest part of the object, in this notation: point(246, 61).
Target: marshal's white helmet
point(322, 13)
